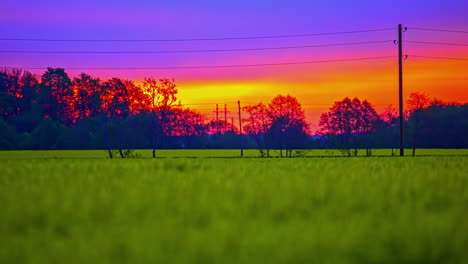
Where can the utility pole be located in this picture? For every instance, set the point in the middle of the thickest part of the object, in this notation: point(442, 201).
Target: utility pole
point(232, 123)
point(400, 85)
point(240, 130)
point(225, 118)
point(217, 119)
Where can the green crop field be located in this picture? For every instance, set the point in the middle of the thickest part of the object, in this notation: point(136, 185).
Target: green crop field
point(213, 153)
point(80, 207)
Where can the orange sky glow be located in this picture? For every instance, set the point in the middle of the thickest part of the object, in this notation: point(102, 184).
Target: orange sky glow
point(376, 82)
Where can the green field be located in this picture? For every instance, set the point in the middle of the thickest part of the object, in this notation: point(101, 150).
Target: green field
point(213, 153)
point(79, 207)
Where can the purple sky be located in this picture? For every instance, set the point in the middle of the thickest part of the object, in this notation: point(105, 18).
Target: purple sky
point(91, 19)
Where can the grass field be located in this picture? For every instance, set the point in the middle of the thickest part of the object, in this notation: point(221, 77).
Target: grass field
point(211, 153)
point(79, 207)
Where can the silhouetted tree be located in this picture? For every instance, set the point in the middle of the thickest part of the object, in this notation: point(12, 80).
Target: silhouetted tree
point(288, 123)
point(162, 99)
point(87, 96)
point(116, 106)
point(416, 103)
point(55, 95)
point(8, 101)
point(18, 98)
point(387, 129)
point(21, 86)
point(349, 119)
point(29, 91)
point(443, 125)
point(213, 127)
point(187, 124)
point(257, 125)
point(139, 100)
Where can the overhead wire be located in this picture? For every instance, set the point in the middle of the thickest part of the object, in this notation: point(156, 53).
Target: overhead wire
point(437, 57)
point(439, 30)
point(198, 39)
point(437, 43)
point(200, 51)
point(213, 66)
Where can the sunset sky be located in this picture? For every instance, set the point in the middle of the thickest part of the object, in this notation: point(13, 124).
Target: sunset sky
point(316, 85)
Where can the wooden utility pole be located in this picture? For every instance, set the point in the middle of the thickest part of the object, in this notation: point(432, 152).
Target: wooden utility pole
point(400, 85)
point(240, 130)
point(225, 118)
point(217, 119)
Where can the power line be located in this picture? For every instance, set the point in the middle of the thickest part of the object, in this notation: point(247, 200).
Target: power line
point(212, 103)
point(211, 66)
point(437, 43)
point(332, 104)
point(197, 39)
point(199, 51)
point(440, 30)
point(440, 58)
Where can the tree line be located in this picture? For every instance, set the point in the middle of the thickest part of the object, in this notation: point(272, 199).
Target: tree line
point(85, 112)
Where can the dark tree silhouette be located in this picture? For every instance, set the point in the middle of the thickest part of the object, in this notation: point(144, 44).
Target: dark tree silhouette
point(115, 99)
point(162, 96)
point(87, 93)
point(257, 125)
point(348, 120)
point(288, 123)
point(138, 99)
point(387, 134)
point(442, 125)
point(28, 91)
point(280, 124)
point(188, 123)
point(116, 106)
point(55, 95)
point(416, 103)
point(8, 100)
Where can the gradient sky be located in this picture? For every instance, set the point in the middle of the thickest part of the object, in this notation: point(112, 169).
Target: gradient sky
point(317, 86)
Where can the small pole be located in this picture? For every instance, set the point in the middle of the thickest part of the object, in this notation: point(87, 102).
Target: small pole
point(225, 118)
point(240, 130)
point(232, 123)
point(400, 85)
point(217, 119)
